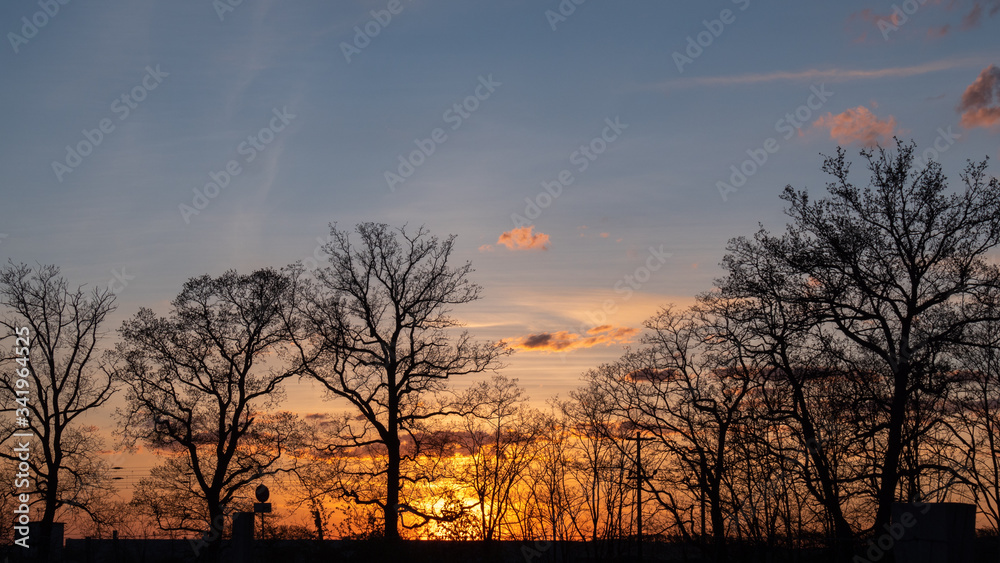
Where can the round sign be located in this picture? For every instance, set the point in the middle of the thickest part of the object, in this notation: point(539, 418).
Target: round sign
point(262, 493)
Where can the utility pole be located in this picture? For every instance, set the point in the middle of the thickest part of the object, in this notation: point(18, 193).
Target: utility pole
point(638, 492)
point(640, 476)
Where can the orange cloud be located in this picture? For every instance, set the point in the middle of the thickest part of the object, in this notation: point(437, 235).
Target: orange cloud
point(564, 341)
point(858, 125)
point(980, 105)
point(522, 238)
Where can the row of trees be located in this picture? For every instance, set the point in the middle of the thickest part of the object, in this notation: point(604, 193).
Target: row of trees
point(201, 382)
point(847, 363)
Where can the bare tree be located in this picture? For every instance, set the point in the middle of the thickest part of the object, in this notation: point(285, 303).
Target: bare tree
point(554, 504)
point(975, 419)
point(316, 473)
point(379, 336)
point(199, 381)
point(499, 437)
point(64, 330)
point(895, 271)
point(686, 391)
point(602, 469)
point(823, 407)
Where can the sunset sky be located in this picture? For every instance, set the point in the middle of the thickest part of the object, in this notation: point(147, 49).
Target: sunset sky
point(640, 109)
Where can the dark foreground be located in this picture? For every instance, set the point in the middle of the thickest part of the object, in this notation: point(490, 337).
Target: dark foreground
point(987, 550)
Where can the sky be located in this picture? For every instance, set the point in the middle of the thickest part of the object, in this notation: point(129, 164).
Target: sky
point(592, 157)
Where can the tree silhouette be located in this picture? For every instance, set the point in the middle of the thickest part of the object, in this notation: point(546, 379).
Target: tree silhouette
point(65, 329)
point(975, 418)
point(377, 333)
point(198, 381)
point(685, 390)
point(890, 275)
point(499, 435)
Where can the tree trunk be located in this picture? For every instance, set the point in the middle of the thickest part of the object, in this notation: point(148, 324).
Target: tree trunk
point(843, 533)
point(392, 486)
point(216, 526)
point(718, 522)
point(893, 450)
point(48, 514)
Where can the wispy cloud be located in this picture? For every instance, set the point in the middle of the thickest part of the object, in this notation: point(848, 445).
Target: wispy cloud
point(823, 75)
point(863, 23)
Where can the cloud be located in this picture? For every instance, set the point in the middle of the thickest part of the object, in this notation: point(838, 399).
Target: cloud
point(858, 125)
point(564, 341)
point(829, 75)
point(980, 10)
point(651, 375)
point(869, 20)
point(980, 105)
point(935, 32)
point(869, 16)
point(972, 19)
point(522, 238)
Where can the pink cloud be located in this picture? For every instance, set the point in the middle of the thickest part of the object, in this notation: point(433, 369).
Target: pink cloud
point(858, 125)
point(972, 19)
point(935, 32)
point(896, 19)
point(869, 16)
point(980, 105)
point(522, 238)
